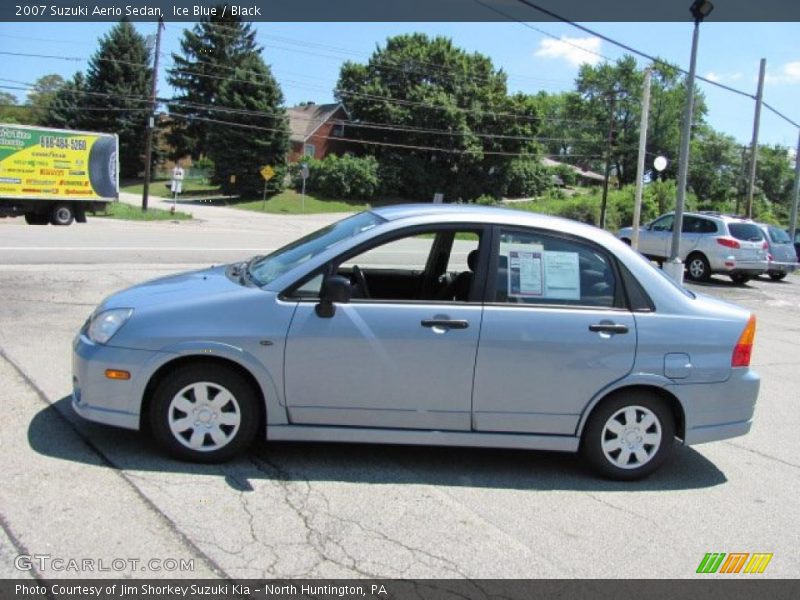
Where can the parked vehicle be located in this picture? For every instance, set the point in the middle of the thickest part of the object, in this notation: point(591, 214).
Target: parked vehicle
point(782, 257)
point(709, 243)
point(425, 324)
point(56, 175)
point(796, 242)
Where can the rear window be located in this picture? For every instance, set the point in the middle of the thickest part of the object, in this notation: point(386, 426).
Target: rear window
point(778, 236)
point(747, 232)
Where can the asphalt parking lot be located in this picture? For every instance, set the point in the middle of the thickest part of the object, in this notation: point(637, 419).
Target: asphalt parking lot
point(83, 491)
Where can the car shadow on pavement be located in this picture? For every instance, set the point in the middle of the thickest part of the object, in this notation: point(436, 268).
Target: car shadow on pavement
point(51, 429)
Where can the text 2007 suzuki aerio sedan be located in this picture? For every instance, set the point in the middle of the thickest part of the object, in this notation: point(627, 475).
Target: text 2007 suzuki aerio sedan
point(425, 324)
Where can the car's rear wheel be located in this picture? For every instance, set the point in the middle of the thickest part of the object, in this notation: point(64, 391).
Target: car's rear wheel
point(697, 267)
point(739, 278)
point(204, 413)
point(36, 219)
point(628, 436)
point(777, 275)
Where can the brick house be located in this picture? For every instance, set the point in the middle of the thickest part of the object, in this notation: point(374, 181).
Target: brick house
point(314, 129)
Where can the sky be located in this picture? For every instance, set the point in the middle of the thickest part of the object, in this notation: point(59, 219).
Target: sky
point(306, 57)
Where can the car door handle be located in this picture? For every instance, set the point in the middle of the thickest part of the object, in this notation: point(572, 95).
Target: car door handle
point(445, 323)
point(608, 328)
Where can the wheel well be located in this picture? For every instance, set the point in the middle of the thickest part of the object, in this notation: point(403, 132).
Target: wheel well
point(627, 241)
point(210, 362)
point(696, 253)
point(671, 401)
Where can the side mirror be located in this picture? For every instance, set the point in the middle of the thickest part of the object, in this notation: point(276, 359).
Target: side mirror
point(648, 226)
point(336, 289)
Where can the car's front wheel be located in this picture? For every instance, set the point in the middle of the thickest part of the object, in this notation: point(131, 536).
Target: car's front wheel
point(628, 436)
point(204, 413)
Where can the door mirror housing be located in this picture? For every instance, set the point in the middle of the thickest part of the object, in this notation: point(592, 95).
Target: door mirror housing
point(336, 289)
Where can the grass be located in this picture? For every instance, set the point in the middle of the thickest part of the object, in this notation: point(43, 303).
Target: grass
point(120, 210)
point(191, 187)
point(289, 202)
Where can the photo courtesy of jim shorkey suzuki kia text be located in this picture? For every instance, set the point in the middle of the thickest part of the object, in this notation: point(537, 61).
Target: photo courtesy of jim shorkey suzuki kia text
point(193, 590)
point(138, 10)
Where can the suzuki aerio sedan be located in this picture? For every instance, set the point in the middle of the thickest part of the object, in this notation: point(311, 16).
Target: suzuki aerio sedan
point(425, 324)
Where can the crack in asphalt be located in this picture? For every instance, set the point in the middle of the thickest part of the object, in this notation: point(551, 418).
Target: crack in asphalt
point(761, 454)
point(125, 477)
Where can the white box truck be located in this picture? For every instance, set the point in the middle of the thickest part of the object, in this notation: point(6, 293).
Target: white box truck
point(56, 175)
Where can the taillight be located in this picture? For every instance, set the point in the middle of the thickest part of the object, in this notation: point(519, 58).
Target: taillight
point(765, 245)
point(770, 258)
point(728, 242)
point(744, 347)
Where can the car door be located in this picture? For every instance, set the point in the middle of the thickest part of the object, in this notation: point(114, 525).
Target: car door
point(554, 333)
point(380, 361)
point(654, 241)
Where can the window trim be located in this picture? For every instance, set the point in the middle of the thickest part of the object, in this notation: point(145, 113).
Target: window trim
point(621, 299)
point(477, 292)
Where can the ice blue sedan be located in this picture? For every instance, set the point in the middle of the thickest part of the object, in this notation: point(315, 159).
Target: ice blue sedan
point(425, 324)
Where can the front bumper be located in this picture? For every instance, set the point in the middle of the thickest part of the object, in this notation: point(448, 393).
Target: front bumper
point(97, 398)
point(718, 411)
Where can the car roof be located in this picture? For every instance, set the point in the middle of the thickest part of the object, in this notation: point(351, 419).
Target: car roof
point(499, 215)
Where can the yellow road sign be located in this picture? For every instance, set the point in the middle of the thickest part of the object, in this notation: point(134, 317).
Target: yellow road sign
point(267, 173)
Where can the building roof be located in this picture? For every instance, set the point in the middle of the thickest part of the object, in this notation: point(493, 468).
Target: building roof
point(548, 162)
point(305, 120)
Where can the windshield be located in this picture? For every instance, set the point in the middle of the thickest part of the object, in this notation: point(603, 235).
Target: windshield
point(779, 236)
point(268, 268)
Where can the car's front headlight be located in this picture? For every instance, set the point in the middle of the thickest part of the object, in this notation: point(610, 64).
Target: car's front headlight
point(104, 325)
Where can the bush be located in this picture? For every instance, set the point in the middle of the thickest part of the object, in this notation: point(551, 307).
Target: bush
point(486, 200)
point(564, 172)
point(583, 209)
point(340, 177)
point(525, 177)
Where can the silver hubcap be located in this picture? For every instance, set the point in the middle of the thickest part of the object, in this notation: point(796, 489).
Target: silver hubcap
point(204, 416)
point(697, 268)
point(631, 437)
point(63, 215)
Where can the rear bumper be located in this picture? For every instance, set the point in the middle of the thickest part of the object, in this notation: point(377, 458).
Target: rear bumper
point(718, 411)
point(730, 265)
point(783, 267)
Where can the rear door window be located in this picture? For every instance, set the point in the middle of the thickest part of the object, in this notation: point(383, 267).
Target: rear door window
point(778, 236)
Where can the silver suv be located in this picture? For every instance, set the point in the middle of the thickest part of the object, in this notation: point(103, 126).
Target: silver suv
point(782, 256)
point(709, 243)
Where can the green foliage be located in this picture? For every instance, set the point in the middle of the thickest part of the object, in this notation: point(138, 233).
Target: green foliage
point(564, 172)
point(486, 200)
point(44, 90)
point(255, 132)
point(470, 98)
point(119, 81)
point(347, 177)
point(524, 178)
point(64, 109)
point(12, 112)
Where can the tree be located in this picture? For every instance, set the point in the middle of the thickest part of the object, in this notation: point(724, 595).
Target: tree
point(118, 83)
point(452, 124)
point(242, 151)
point(210, 51)
point(11, 111)
point(44, 90)
point(65, 108)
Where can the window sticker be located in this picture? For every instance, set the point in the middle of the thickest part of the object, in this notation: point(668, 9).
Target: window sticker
point(525, 276)
point(562, 276)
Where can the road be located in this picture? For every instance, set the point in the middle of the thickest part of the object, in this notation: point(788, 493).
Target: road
point(76, 490)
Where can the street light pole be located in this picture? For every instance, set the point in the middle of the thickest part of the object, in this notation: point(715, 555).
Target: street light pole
point(148, 153)
point(673, 266)
point(795, 192)
point(637, 202)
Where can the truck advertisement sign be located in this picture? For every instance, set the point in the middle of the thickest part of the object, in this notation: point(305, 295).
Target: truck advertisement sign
point(57, 164)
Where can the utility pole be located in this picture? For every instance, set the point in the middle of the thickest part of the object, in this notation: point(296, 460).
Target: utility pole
point(741, 184)
point(795, 192)
point(151, 120)
point(754, 146)
point(637, 204)
point(609, 140)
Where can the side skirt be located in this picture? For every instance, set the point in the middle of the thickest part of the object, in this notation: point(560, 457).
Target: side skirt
point(416, 437)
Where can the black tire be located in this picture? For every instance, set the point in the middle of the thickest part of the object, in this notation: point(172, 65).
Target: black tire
point(173, 389)
point(596, 433)
point(103, 167)
point(697, 267)
point(36, 219)
point(62, 214)
point(740, 278)
point(777, 276)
